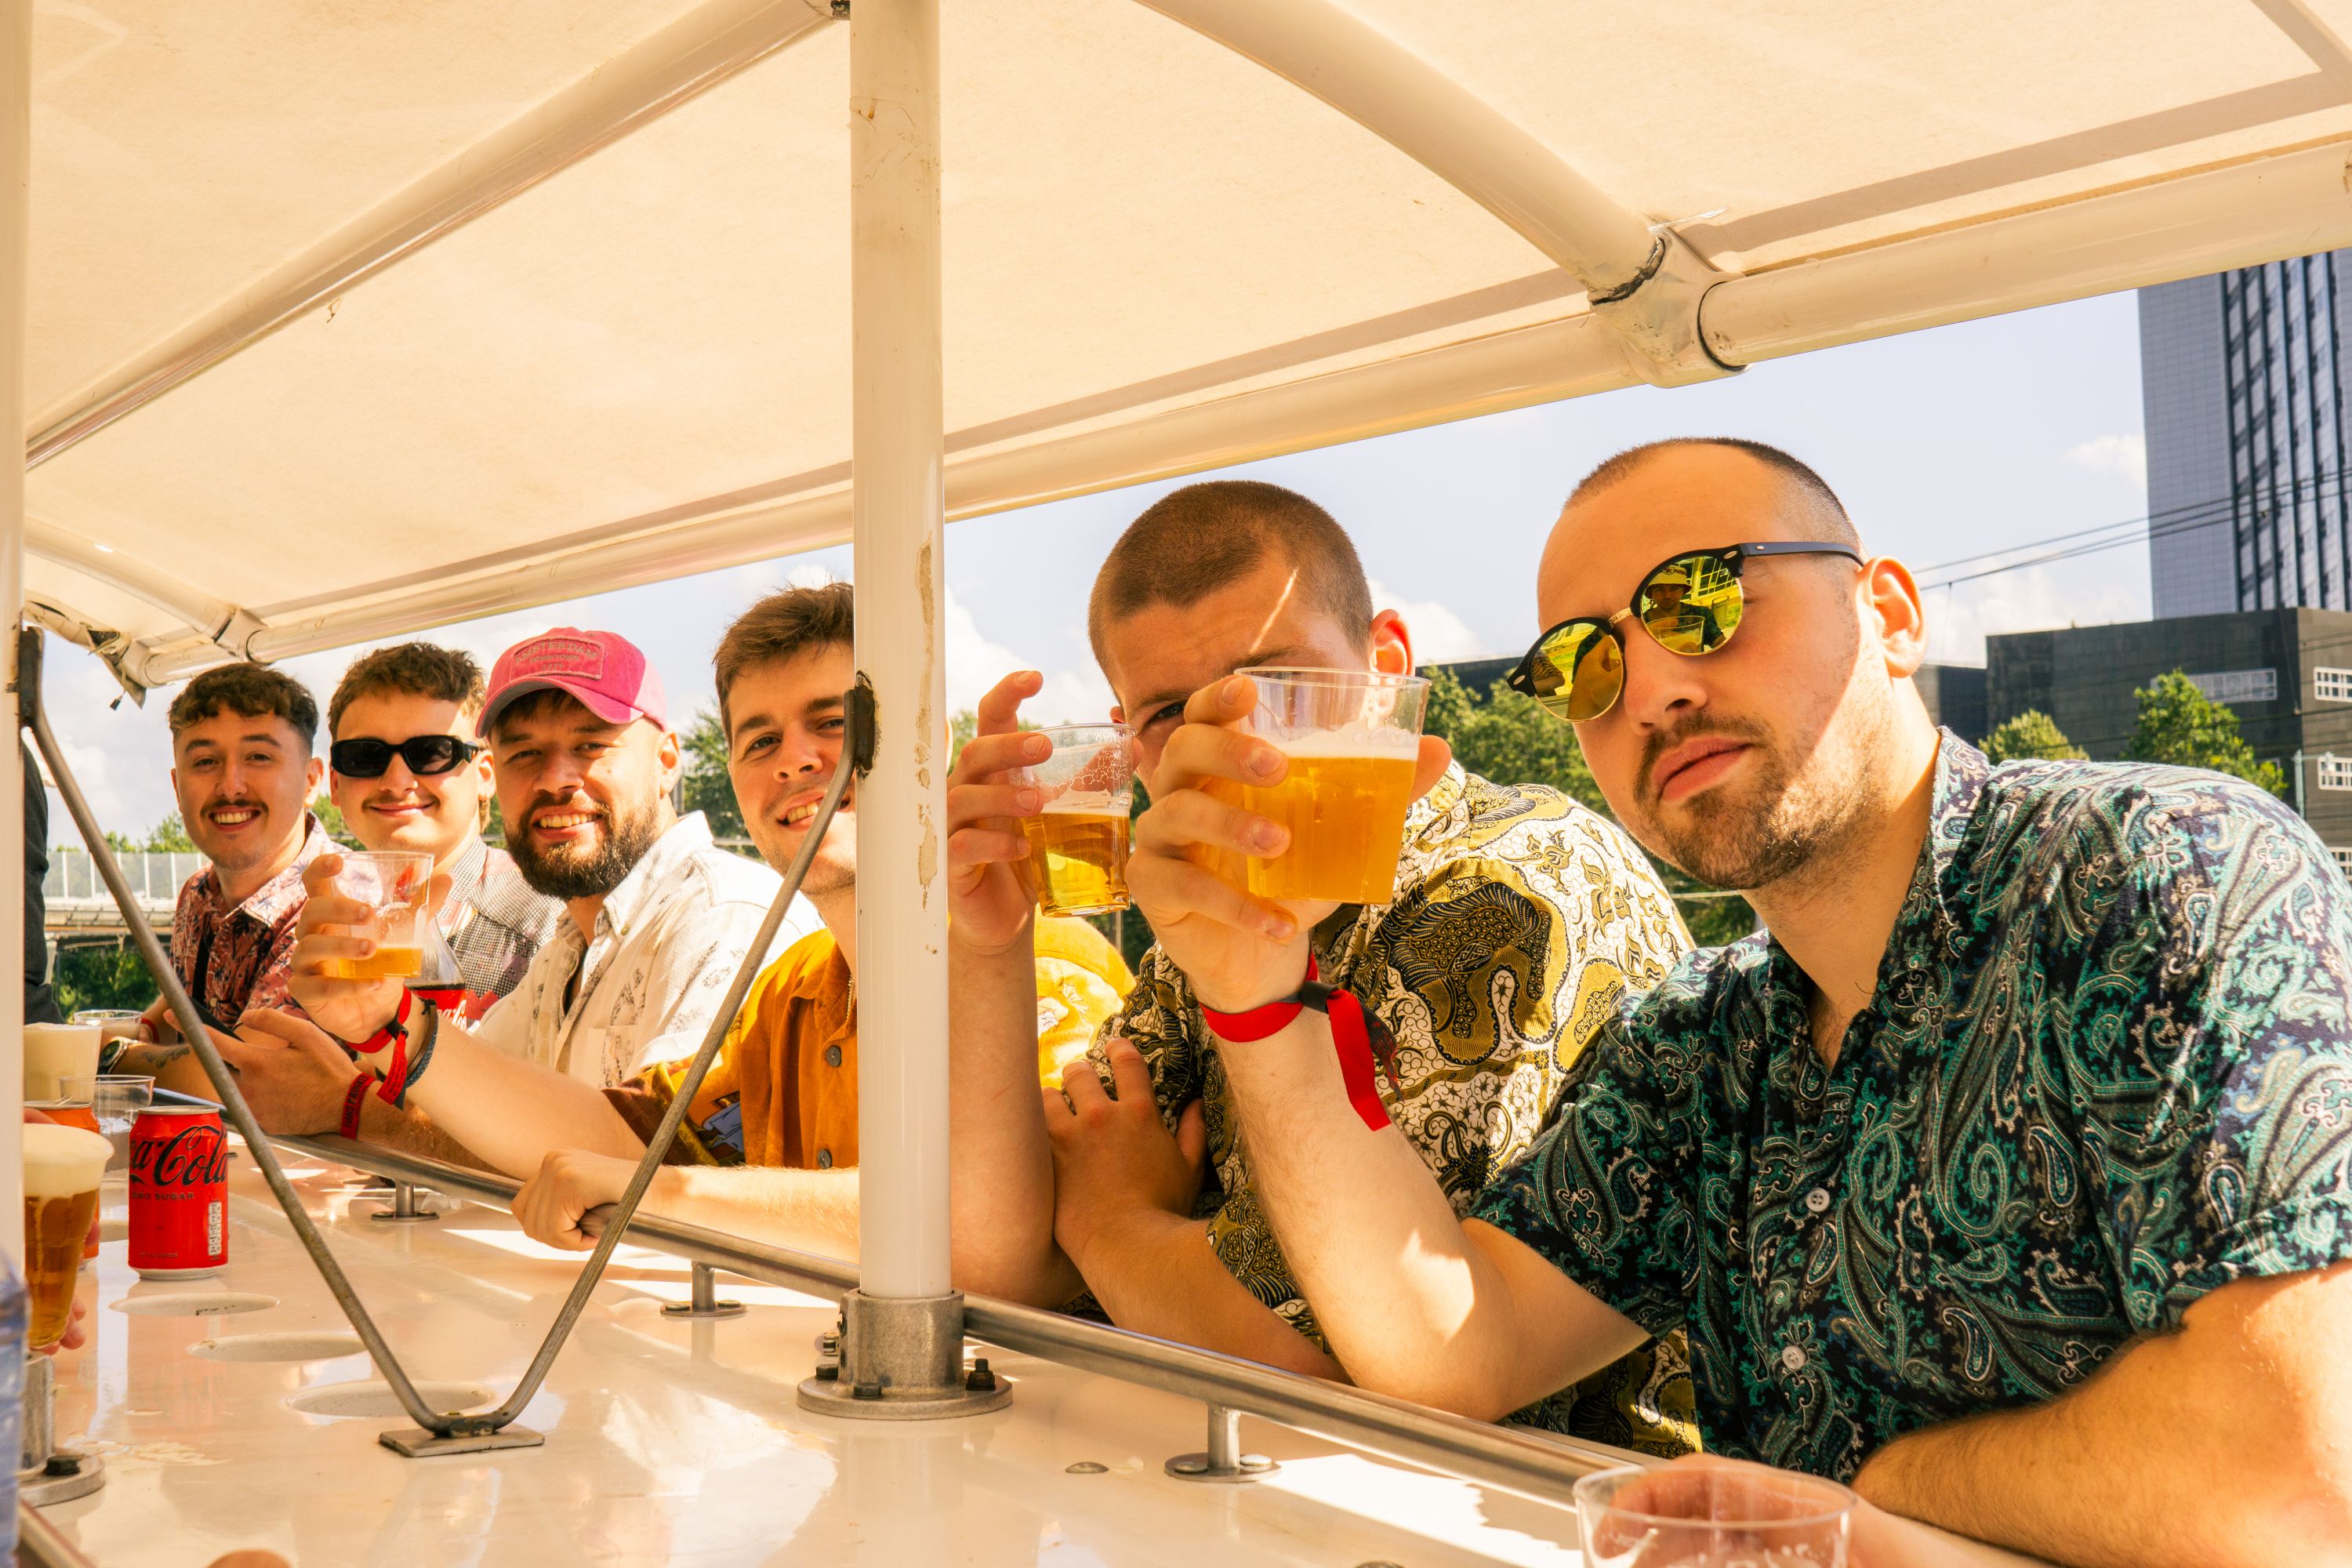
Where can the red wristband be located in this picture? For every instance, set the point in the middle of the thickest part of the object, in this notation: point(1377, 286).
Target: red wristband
point(396, 1030)
point(395, 1072)
point(355, 1097)
point(1356, 1037)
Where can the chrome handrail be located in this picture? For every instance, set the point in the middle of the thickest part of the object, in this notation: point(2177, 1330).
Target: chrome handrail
point(1544, 1468)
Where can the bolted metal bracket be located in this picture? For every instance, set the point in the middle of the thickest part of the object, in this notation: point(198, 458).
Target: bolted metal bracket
point(47, 1474)
point(901, 1361)
point(406, 1204)
point(705, 1301)
point(465, 1437)
point(66, 1476)
point(1224, 1460)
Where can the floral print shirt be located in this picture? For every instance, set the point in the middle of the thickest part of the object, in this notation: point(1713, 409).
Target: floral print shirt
point(234, 959)
point(1520, 921)
point(2107, 1069)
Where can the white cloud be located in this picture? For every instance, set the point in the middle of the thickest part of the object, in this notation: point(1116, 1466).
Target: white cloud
point(810, 577)
point(2038, 599)
point(1438, 635)
point(2123, 457)
point(975, 663)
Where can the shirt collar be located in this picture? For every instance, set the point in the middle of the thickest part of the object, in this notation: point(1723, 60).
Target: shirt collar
point(282, 894)
point(657, 878)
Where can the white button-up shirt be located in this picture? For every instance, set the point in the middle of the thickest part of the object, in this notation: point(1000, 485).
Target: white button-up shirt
point(668, 941)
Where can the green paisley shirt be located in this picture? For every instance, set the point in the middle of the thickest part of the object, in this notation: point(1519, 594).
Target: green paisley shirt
point(1520, 921)
point(2106, 1070)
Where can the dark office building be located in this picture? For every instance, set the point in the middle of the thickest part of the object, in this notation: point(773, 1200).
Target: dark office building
point(2288, 674)
point(2244, 377)
point(1955, 696)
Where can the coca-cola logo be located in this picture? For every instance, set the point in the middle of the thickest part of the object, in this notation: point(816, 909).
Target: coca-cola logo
point(193, 1156)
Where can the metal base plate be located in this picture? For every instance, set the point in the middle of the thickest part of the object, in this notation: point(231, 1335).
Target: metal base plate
point(831, 1396)
point(416, 1443)
point(1197, 1467)
point(402, 1218)
point(41, 1489)
point(715, 1309)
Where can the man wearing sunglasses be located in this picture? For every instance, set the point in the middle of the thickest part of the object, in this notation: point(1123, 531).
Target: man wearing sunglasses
point(2008, 1178)
point(405, 775)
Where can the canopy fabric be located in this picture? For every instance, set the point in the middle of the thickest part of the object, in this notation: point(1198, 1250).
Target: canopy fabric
point(532, 299)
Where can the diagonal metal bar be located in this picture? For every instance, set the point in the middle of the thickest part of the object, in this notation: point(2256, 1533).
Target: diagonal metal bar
point(192, 1026)
point(855, 755)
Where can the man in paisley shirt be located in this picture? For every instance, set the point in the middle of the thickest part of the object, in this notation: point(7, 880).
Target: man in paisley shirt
point(2006, 1178)
point(1520, 917)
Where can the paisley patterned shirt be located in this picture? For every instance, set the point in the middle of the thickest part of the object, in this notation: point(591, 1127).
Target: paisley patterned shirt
point(1520, 920)
point(2107, 1069)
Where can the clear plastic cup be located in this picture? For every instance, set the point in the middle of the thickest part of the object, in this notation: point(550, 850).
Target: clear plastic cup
point(392, 883)
point(1712, 1516)
point(1078, 844)
point(62, 1167)
point(53, 1051)
point(1353, 738)
point(115, 1100)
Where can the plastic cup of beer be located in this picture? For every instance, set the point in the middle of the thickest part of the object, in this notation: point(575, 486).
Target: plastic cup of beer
point(62, 1169)
point(112, 1023)
point(115, 1100)
point(392, 883)
point(1353, 738)
point(1712, 1516)
point(1078, 844)
point(53, 1051)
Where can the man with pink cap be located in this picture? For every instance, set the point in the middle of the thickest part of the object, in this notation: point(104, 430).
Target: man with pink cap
point(660, 917)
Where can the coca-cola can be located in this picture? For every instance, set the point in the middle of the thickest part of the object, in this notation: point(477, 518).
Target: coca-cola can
point(179, 1192)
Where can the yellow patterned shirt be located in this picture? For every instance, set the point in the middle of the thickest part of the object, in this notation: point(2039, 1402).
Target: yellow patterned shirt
point(1520, 921)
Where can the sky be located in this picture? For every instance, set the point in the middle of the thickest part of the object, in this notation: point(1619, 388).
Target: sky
point(1985, 436)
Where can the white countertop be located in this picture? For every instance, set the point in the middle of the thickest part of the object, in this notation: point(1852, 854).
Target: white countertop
point(666, 1442)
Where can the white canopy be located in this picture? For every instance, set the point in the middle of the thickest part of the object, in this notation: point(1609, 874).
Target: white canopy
point(351, 319)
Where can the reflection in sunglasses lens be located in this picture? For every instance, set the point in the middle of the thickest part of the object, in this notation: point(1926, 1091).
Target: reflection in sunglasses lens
point(1692, 605)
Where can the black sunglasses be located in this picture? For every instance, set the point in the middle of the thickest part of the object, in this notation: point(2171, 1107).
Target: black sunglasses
point(1690, 605)
point(425, 754)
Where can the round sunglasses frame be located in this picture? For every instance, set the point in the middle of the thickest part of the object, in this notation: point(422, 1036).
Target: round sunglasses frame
point(466, 751)
point(1522, 677)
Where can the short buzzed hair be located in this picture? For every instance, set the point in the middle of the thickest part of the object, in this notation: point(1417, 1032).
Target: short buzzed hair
point(783, 625)
point(415, 669)
point(1831, 510)
point(1193, 542)
point(253, 691)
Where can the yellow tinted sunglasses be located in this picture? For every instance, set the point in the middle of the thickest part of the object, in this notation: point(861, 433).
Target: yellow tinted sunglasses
point(1689, 605)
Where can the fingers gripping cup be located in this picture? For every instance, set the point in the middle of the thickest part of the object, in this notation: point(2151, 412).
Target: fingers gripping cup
point(1353, 738)
point(1078, 844)
point(63, 1167)
point(392, 883)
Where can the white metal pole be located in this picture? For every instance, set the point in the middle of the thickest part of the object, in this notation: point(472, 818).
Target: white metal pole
point(896, 457)
point(16, 148)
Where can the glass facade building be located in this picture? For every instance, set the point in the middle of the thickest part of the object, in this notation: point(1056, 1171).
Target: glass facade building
point(2244, 379)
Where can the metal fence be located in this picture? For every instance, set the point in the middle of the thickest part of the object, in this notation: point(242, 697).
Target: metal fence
point(75, 895)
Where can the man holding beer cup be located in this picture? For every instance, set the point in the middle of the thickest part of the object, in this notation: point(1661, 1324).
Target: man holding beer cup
point(2006, 1178)
point(1487, 931)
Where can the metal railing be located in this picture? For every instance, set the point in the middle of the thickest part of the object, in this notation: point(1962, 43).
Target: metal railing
point(74, 884)
point(1541, 1467)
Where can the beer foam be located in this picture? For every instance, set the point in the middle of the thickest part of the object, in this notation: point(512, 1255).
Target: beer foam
point(1086, 803)
point(63, 1162)
point(1356, 741)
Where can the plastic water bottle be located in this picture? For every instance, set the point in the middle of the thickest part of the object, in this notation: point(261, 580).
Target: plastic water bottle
point(12, 1398)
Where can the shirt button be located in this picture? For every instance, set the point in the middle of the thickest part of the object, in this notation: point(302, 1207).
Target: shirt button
point(824, 1162)
point(1818, 1200)
point(832, 1055)
point(1793, 1357)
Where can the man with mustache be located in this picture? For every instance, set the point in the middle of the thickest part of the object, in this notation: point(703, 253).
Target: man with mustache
point(2006, 1175)
point(1518, 916)
point(659, 916)
point(242, 773)
point(781, 1096)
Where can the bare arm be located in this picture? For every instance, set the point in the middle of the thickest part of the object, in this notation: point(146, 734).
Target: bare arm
point(2227, 1443)
point(511, 1112)
point(1002, 1220)
point(412, 1132)
point(1158, 1274)
point(808, 1211)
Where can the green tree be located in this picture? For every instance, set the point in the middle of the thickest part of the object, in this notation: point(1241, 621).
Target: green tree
point(2032, 736)
point(101, 974)
point(706, 785)
point(2180, 725)
point(331, 817)
point(169, 836)
point(1510, 739)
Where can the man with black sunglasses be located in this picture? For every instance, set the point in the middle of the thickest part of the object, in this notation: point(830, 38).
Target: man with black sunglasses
point(406, 777)
point(2007, 1176)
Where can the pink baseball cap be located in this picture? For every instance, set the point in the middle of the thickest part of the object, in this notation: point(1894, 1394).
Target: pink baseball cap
point(603, 669)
